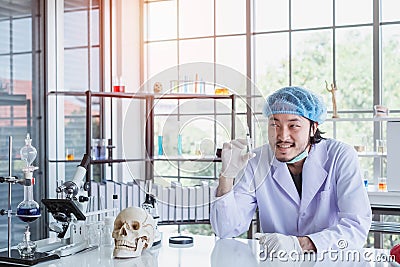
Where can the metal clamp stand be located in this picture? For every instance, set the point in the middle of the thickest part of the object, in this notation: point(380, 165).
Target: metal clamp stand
point(11, 255)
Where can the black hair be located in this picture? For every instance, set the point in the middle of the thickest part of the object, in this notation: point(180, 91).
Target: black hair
point(317, 137)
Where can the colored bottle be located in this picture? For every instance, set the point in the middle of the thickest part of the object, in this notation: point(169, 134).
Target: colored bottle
point(160, 145)
point(179, 144)
point(28, 210)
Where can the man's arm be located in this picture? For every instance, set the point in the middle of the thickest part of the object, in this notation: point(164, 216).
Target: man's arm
point(306, 244)
point(225, 186)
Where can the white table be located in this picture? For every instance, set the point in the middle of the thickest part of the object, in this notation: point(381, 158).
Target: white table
point(206, 251)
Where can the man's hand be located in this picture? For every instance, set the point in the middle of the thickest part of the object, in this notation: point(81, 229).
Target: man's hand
point(234, 157)
point(274, 243)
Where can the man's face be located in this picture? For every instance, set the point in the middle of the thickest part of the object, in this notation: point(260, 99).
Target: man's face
point(288, 135)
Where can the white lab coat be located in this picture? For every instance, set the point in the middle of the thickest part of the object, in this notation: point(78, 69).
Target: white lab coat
point(334, 204)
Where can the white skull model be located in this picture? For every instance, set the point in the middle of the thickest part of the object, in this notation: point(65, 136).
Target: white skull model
point(157, 87)
point(133, 232)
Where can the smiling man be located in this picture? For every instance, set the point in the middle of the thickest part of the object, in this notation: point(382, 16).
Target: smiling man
point(308, 189)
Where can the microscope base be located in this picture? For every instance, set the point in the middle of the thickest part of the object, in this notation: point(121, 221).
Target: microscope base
point(157, 238)
point(16, 258)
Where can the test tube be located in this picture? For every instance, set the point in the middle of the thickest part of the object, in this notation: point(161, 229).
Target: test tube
point(249, 143)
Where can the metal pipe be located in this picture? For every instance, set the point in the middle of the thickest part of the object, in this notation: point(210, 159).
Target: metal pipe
point(87, 186)
point(9, 194)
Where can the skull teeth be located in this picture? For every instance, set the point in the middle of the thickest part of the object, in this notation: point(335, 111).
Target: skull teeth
point(125, 244)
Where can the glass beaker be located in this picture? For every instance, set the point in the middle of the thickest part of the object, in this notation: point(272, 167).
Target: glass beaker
point(382, 185)
point(197, 149)
point(360, 143)
point(69, 154)
point(108, 228)
point(94, 231)
point(119, 85)
point(221, 91)
point(380, 146)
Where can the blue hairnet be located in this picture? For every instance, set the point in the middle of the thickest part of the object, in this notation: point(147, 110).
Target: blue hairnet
point(298, 101)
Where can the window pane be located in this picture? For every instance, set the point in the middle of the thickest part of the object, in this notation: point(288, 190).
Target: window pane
point(391, 66)
point(194, 131)
point(94, 27)
point(271, 60)
point(75, 29)
point(22, 43)
point(241, 126)
point(5, 74)
point(345, 11)
point(231, 54)
point(270, 15)
point(390, 10)
point(196, 50)
point(233, 21)
point(95, 70)
point(193, 169)
point(5, 36)
point(160, 20)
point(74, 126)
point(311, 13)
point(312, 59)
point(22, 69)
point(354, 68)
point(160, 57)
point(76, 70)
point(164, 168)
point(196, 18)
point(224, 132)
point(196, 106)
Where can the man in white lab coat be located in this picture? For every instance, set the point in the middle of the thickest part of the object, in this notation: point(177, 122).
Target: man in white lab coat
point(308, 189)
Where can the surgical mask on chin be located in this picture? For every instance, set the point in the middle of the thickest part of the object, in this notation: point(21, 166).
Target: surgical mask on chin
point(299, 157)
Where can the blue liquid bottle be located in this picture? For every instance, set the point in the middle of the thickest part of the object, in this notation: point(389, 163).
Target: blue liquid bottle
point(160, 145)
point(179, 144)
point(28, 210)
point(160, 139)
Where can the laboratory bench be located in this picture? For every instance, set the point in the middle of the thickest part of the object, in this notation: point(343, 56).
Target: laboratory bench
point(388, 199)
point(383, 203)
point(212, 251)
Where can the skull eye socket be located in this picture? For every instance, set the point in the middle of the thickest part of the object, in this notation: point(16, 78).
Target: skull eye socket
point(135, 225)
point(117, 225)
